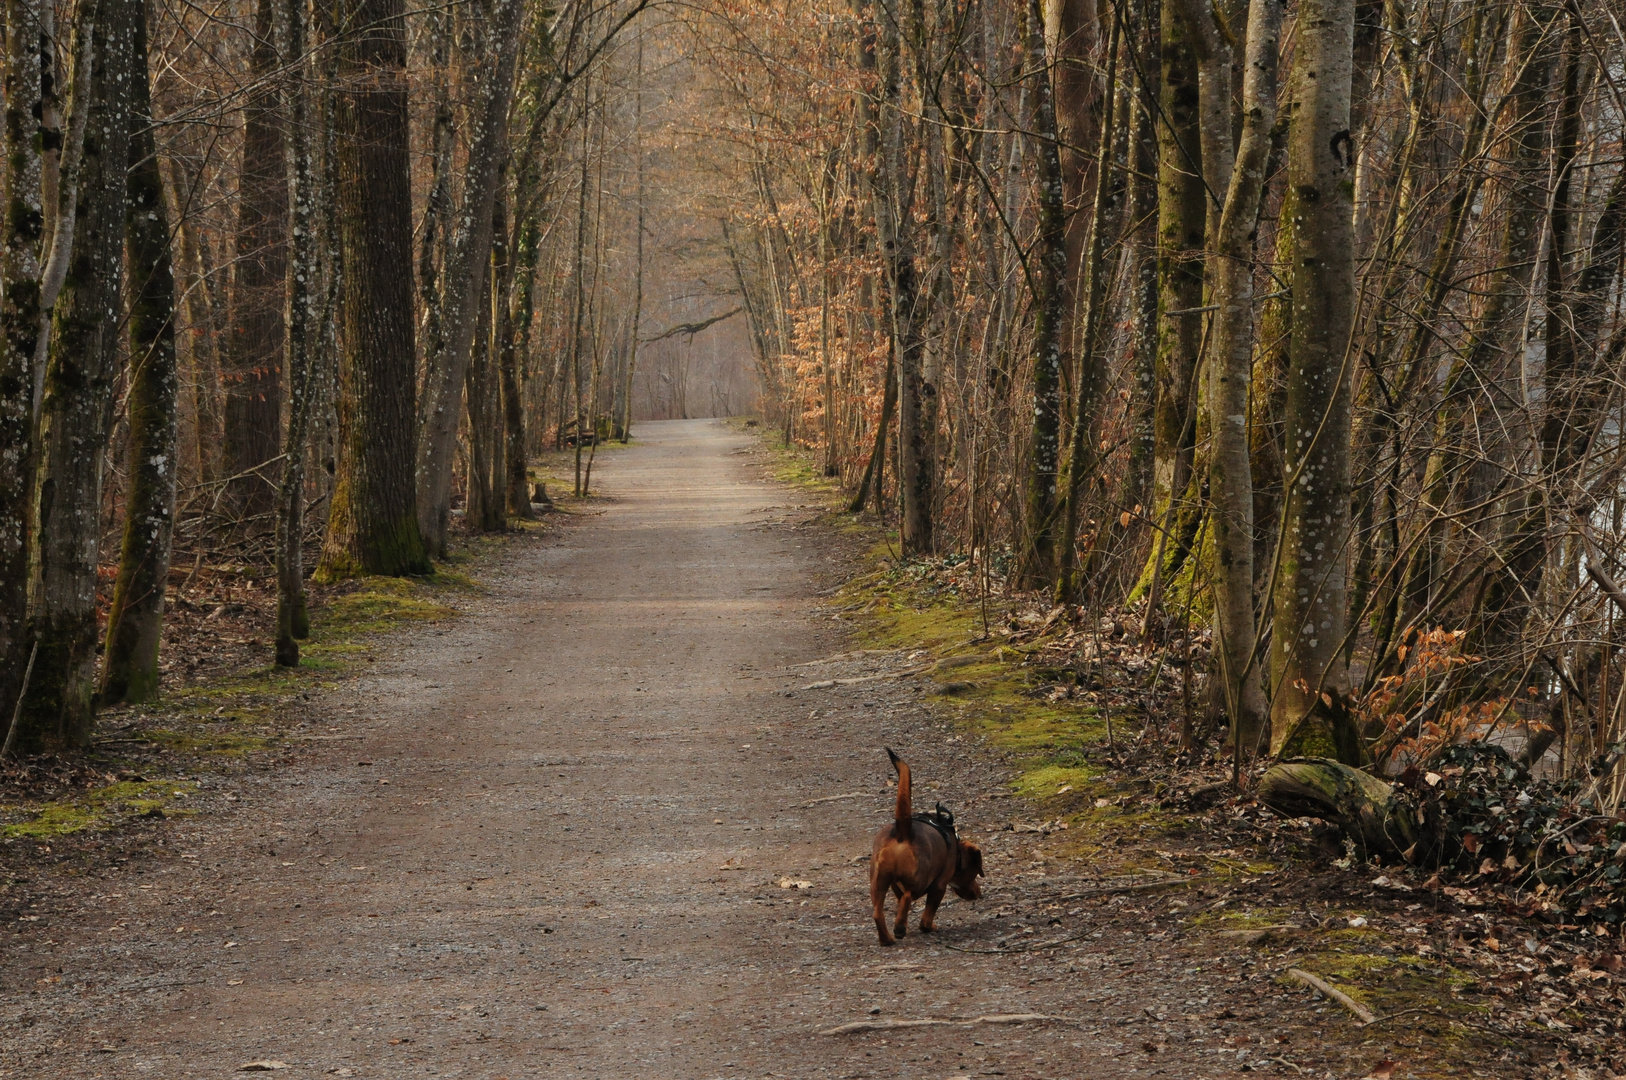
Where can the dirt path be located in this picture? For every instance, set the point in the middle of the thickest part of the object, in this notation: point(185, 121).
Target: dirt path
point(556, 850)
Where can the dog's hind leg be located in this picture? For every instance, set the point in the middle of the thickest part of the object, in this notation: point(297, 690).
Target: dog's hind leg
point(900, 926)
point(928, 914)
point(877, 895)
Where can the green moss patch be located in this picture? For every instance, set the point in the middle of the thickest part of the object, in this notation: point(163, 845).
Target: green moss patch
point(380, 604)
point(101, 808)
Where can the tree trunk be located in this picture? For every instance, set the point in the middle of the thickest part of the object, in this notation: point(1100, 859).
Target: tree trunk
point(1489, 367)
point(1181, 220)
point(1090, 376)
point(638, 225)
point(293, 616)
point(1577, 378)
point(1516, 578)
point(373, 524)
point(877, 457)
point(1072, 35)
point(484, 512)
point(21, 232)
point(136, 619)
point(1048, 284)
point(252, 365)
point(894, 229)
point(467, 253)
point(1361, 804)
point(1143, 258)
point(513, 311)
point(1230, 370)
point(77, 407)
point(438, 202)
point(1310, 705)
point(197, 338)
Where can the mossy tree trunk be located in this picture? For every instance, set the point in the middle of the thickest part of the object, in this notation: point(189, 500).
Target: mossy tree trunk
point(1361, 804)
point(1310, 706)
point(135, 620)
point(1230, 367)
point(373, 524)
point(82, 362)
point(1181, 220)
point(21, 232)
point(1047, 281)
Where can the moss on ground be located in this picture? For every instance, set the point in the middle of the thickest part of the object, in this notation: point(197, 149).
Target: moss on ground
point(100, 808)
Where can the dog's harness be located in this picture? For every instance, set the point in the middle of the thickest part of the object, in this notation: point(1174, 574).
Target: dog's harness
point(943, 821)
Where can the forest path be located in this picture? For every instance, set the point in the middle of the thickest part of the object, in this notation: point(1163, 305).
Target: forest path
point(556, 850)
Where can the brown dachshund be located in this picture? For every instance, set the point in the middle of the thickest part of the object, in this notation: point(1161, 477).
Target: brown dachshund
point(919, 856)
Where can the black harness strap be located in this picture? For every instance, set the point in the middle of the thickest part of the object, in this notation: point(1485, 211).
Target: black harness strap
point(943, 821)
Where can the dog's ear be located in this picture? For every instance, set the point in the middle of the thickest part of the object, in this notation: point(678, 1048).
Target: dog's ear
point(971, 855)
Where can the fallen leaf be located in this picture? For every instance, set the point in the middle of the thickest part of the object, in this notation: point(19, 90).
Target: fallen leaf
point(1383, 1070)
point(263, 1066)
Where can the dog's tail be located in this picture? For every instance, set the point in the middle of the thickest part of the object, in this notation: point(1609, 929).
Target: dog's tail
point(903, 815)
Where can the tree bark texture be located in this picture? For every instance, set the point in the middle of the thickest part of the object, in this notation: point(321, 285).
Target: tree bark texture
point(1363, 805)
point(136, 618)
point(373, 524)
point(1310, 703)
point(300, 334)
point(1181, 221)
point(467, 252)
point(484, 512)
point(251, 368)
point(1048, 283)
point(1071, 38)
point(1230, 371)
point(76, 412)
point(894, 227)
point(1089, 376)
point(512, 309)
point(21, 232)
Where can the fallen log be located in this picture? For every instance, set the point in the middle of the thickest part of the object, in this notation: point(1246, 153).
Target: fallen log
point(1362, 805)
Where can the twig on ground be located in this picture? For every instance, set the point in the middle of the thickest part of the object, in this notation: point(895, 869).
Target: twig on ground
point(1404, 1012)
point(1030, 947)
point(1138, 886)
point(831, 798)
point(1361, 1012)
point(17, 713)
point(889, 1025)
point(826, 684)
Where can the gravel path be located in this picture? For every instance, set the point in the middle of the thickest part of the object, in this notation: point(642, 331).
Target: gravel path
point(567, 843)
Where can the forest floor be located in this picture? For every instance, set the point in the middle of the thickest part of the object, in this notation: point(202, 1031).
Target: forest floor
point(609, 819)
